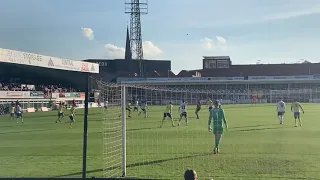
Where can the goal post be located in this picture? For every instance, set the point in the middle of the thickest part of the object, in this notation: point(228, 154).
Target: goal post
point(124, 128)
point(112, 98)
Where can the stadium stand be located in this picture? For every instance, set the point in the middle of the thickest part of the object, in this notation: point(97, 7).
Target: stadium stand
point(304, 68)
point(39, 76)
point(243, 82)
point(43, 88)
point(14, 87)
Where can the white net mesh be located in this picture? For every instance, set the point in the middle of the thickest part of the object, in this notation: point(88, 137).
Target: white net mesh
point(110, 98)
point(154, 152)
point(151, 149)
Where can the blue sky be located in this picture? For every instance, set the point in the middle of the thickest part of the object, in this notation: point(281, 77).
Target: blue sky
point(272, 31)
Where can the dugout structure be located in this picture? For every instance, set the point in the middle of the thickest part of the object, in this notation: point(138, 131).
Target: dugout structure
point(33, 68)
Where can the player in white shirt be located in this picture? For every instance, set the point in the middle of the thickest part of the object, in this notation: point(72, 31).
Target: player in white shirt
point(136, 105)
point(144, 109)
point(281, 108)
point(183, 112)
point(106, 104)
point(18, 113)
point(210, 104)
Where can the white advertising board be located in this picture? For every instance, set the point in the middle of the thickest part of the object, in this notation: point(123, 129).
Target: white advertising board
point(31, 59)
point(14, 94)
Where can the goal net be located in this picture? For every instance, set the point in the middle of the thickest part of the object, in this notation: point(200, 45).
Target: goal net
point(144, 149)
point(135, 145)
point(111, 102)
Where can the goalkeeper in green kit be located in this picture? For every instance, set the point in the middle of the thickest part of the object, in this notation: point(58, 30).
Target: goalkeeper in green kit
point(217, 117)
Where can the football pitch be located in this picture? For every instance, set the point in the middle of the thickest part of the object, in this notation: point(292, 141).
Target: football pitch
point(255, 146)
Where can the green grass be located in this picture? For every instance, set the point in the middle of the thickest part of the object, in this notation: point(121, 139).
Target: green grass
point(256, 146)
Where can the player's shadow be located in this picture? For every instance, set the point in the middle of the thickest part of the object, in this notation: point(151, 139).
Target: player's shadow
point(18, 132)
point(253, 126)
point(259, 129)
point(145, 163)
point(24, 125)
point(92, 119)
point(39, 116)
point(134, 129)
point(140, 129)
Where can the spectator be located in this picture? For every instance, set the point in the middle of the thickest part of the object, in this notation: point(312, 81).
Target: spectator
point(47, 89)
point(190, 175)
point(2, 109)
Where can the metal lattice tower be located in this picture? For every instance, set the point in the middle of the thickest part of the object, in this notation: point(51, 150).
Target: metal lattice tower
point(135, 8)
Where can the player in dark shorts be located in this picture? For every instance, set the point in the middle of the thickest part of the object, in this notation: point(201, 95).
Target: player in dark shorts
point(128, 108)
point(136, 105)
point(60, 113)
point(18, 113)
point(198, 109)
point(183, 112)
point(74, 103)
point(12, 112)
point(105, 104)
point(210, 104)
point(144, 108)
point(167, 114)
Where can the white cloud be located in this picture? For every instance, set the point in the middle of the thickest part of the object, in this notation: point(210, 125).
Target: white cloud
point(221, 39)
point(207, 43)
point(114, 52)
point(219, 42)
point(149, 51)
point(88, 33)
